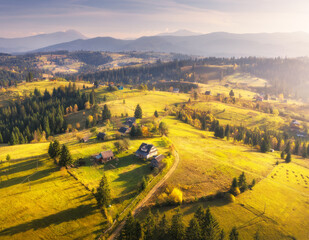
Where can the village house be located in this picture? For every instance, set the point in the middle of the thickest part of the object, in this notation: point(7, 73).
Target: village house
point(104, 157)
point(156, 161)
point(84, 139)
point(124, 130)
point(130, 121)
point(120, 87)
point(295, 125)
point(176, 90)
point(207, 93)
point(146, 151)
point(101, 136)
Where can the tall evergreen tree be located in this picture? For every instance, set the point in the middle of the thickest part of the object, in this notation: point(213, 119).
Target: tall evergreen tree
point(149, 227)
point(288, 158)
point(65, 156)
point(177, 230)
point(56, 149)
point(163, 229)
point(211, 227)
point(242, 183)
point(132, 229)
point(103, 192)
point(138, 112)
point(304, 151)
point(194, 231)
point(106, 114)
point(234, 235)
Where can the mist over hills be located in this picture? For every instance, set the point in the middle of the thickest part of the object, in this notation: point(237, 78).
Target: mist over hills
point(217, 44)
point(25, 44)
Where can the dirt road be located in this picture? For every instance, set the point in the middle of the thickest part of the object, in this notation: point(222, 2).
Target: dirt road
point(148, 196)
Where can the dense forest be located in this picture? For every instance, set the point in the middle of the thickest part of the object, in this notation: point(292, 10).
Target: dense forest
point(40, 115)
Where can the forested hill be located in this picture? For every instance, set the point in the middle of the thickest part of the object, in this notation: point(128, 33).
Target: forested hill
point(40, 115)
point(218, 44)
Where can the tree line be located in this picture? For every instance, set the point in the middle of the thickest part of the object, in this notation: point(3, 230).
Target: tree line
point(203, 225)
point(40, 115)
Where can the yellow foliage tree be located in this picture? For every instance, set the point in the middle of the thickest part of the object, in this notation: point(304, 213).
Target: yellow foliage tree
point(176, 196)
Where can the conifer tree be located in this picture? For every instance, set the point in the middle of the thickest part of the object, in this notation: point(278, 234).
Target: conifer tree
point(194, 231)
point(282, 155)
point(288, 158)
point(177, 230)
point(103, 192)
point(132, 229)
point(133, 131)
point(65, 157)
point(56, 149)
point(149, 227)
point(304, 151)
point(234, 235)
point(106, 114)
point(163, 228)
point(211, 227)
point(156, 114)
point(242, 183)
point(138, 112)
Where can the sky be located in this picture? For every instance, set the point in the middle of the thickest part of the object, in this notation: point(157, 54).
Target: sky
point(135, 18)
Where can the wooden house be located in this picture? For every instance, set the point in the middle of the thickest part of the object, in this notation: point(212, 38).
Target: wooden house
point(130, 121)
point(104, 157)
point(101, 136)
point(124, 130)
point(146, 151)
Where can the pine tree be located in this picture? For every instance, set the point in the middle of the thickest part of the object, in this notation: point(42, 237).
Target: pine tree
point(138, 112)
point(232, 93)
point(242, 183)
point(149, 227)
point(65, 157)
point(92, 97)
point(106, 114)
point(163, 228)
point(139, 132)
point(211, 227)
point(132, 229)
point(177, 230)
point(227, 132)
point(304, 151)
point(288, 158)
point(234, 235)
point(56, 149)
point(156, 114)
point(103, 192)
point(265, 145)
point(133, 131)
point(194, 231)
point(282, 155)
point(51, 152)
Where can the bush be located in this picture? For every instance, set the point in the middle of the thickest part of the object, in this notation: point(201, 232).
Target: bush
point(176, 196)
point(235, 191)
point(230, 197)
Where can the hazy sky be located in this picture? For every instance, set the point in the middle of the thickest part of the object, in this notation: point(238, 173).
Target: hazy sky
point(133, 18)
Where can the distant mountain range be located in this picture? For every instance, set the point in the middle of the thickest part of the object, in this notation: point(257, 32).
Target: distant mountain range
point(218, 44)
point(25, 44)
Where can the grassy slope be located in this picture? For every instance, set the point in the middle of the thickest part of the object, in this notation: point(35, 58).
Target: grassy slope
point(55, 206)
point(229, 114)
point(208, 164)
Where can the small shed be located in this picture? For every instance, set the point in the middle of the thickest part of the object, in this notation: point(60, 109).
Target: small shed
point(123, 130)
point(157, 161)
point(120, 87)
point(101, 136)
point(176, 90)
point(84, 139)
point(207, 93)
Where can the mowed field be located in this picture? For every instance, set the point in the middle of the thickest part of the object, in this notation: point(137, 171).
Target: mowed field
point(277, 206)
point(40, 202)
point(236, 116)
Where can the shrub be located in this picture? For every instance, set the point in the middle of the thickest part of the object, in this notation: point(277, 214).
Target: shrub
point(235, 191)
point(230, 197)
point(176, 196)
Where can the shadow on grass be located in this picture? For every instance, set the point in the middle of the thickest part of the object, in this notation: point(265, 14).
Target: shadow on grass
point(33, 177)
point(24, 165)
point(70, 214)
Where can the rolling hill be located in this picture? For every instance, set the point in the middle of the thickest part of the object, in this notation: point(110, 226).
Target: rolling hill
point(218, 44)
point(25, 44)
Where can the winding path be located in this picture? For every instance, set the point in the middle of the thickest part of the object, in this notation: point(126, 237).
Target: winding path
point(140, 205)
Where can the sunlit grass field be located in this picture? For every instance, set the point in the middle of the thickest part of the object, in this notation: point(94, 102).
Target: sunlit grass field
point(50, 205)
